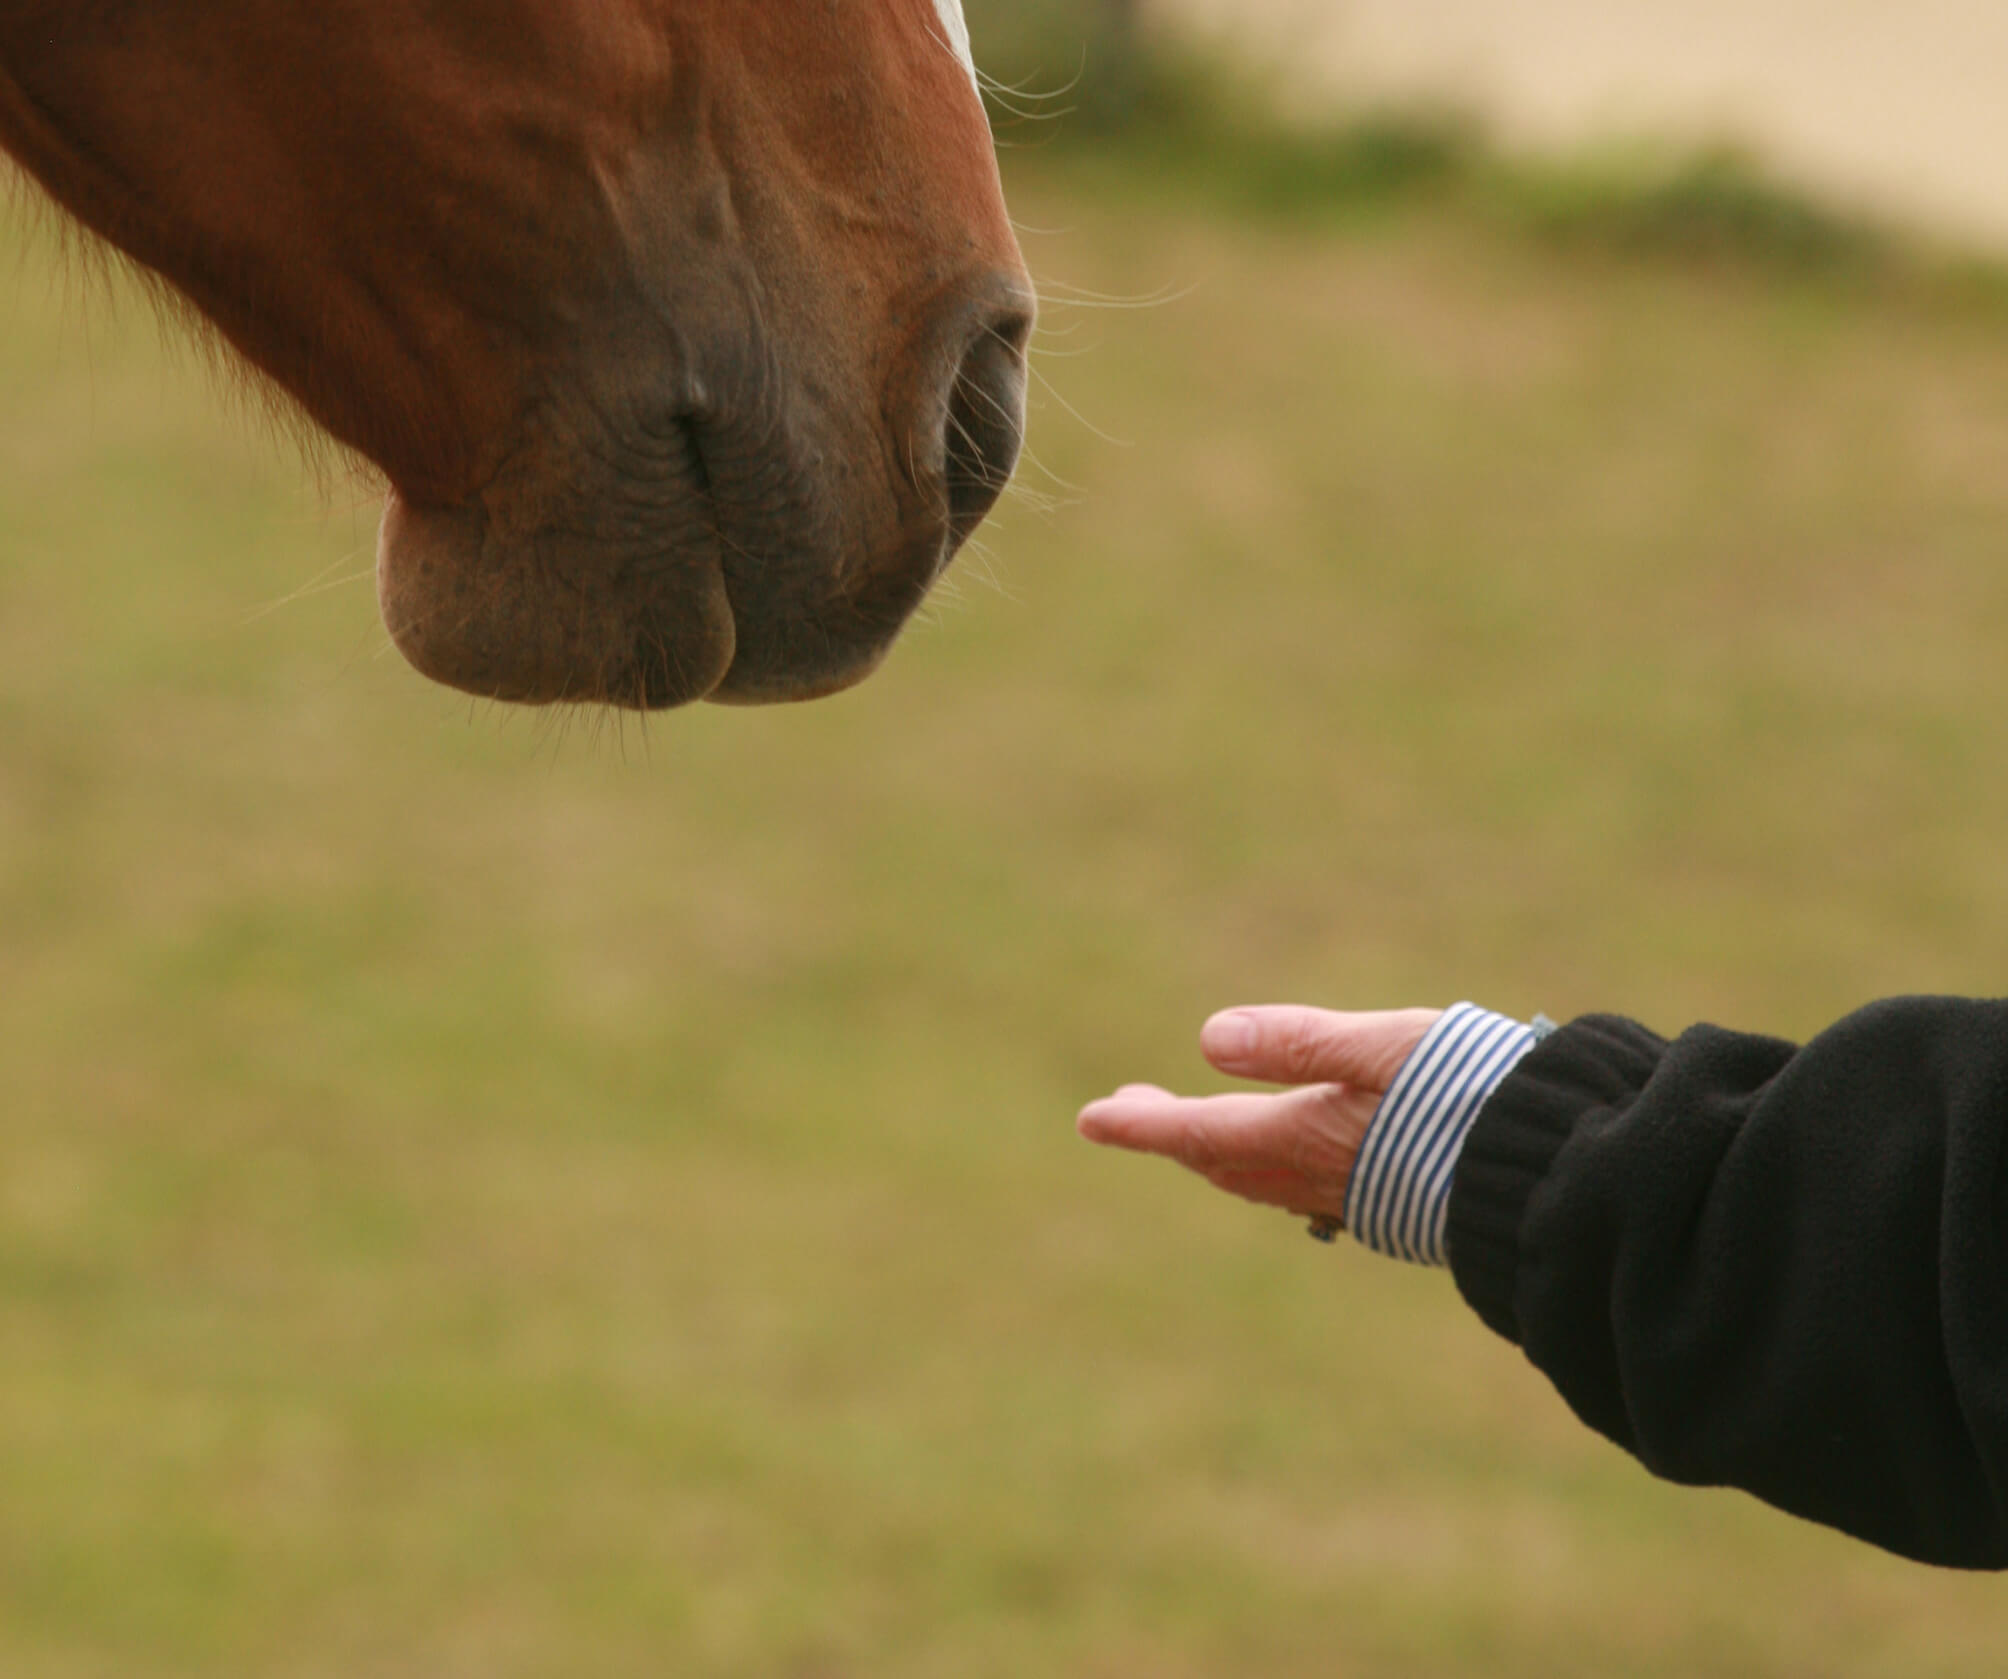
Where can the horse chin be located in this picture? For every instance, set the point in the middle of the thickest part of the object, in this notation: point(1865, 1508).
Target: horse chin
point(540, 618)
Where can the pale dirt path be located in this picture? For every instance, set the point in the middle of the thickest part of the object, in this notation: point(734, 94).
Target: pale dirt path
point(1901, 105)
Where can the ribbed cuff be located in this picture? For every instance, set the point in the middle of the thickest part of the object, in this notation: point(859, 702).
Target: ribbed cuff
point(1590, 1066)
point(1398, 1199)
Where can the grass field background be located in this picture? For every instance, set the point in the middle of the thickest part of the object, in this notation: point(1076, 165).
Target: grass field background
point(498, 1196)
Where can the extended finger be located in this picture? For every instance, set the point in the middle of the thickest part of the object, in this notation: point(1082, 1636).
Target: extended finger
point(1196, 1130)
point(1287, 1043)
point(1316, 1129)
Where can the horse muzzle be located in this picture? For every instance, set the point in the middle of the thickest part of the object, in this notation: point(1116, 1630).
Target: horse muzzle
point(739, 539)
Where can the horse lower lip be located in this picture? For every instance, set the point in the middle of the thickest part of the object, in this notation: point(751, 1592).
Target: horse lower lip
point(547, 618)
point(822, 623)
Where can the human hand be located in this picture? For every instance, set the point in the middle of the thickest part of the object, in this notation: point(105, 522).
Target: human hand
point(1293, 1149)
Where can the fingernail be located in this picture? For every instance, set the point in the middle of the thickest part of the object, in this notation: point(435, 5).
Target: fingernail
point(1229, 1036)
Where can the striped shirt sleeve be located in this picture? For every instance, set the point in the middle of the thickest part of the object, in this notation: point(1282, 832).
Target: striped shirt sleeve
point(1399, 1196)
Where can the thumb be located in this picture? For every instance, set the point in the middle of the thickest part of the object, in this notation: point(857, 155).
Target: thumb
point(1291, 1044)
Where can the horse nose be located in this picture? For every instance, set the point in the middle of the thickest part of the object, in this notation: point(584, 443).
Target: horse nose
point(986, 410)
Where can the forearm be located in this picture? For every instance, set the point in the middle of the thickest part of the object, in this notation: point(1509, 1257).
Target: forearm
point(1765, 1266)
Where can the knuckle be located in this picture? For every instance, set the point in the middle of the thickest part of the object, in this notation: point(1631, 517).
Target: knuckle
point(1283, 1048)
point(1299, 1045)
point(1306, 1141)
point(1200, 1148)
point(1329, 1132)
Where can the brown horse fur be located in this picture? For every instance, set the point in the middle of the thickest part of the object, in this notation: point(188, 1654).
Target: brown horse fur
point(689, 334)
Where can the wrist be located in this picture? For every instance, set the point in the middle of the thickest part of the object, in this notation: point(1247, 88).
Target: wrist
point(1398, 1197)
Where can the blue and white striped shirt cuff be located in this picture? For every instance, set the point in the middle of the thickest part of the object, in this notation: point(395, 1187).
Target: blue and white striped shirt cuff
point(1399, 1197)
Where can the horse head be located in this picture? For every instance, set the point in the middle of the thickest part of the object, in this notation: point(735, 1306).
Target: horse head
point(689, 334)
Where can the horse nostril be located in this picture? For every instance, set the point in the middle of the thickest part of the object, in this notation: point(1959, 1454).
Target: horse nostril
point(986, 420)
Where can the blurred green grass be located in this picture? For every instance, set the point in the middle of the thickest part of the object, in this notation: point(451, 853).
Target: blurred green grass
point(503, 1196)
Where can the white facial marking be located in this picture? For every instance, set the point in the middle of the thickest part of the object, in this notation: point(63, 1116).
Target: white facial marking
point(956, 29)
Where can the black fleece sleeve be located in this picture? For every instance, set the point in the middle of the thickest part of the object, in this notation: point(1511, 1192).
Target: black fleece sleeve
point(1757, 1265)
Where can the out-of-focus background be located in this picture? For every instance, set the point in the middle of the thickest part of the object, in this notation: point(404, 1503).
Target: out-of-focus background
point(497, 1195)
point(1897, 107)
